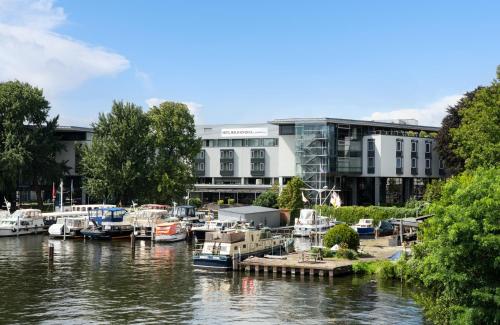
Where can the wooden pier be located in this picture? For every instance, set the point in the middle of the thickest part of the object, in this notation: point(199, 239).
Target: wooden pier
point(308, 264)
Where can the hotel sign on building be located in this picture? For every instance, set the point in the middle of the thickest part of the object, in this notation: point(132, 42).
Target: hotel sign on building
point(244, 132)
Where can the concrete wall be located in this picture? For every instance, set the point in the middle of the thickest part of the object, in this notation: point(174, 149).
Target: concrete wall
point(269, 218)
point(286, 156)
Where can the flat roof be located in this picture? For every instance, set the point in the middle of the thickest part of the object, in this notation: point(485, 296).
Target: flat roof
point(249, 209)
point(68, 128)
point(355, 122)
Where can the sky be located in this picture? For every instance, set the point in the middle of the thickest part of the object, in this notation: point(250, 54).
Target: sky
point(252, 61)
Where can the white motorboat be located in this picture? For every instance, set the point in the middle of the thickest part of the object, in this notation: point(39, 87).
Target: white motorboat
point(68, 224)
point(170, 232)
point(22, 222)
point(145, 220)
point(364, 227)
point(309, 222)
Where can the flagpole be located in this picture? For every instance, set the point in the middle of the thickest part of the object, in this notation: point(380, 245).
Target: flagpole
point(61, 206)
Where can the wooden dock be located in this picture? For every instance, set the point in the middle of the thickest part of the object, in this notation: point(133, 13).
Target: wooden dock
point(307, 264)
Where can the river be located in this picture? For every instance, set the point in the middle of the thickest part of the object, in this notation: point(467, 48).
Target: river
point(101, 282)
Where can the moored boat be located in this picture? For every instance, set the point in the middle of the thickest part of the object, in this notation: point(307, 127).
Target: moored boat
point(199, 231)
point(107, 223)
point(22, 222)
point(145, 220)
point(223, 247)
point(170, 232)
point(308, 222)
point(364, 227)
point(68, 224)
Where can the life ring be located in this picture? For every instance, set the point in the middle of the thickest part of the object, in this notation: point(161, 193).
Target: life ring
point(13, 229)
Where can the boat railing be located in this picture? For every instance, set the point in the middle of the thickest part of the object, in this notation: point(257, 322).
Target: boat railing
point(198, 248)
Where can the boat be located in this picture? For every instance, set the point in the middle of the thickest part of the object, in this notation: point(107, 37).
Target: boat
point(364, 227)
point(68, 224)
point(22, 222)
point(308, 222)
point(170, 232)
point(223, 247)
point(145, 220)
point(199, 231)
point(107, 223)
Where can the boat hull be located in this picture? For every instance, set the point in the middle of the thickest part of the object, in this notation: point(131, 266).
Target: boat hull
point(365, 231)
point(106, 235)
point(170, 238)
point(21, 231)
point(225, 262)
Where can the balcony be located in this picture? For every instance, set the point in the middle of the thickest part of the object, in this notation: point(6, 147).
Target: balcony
point(428, 171)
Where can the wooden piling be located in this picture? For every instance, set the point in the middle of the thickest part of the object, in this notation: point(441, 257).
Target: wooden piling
point(51, 253)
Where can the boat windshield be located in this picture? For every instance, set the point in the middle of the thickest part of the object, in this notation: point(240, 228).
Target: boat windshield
point(18, 213)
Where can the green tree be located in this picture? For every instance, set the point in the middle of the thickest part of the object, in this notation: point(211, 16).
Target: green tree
point(477, 139)
point(116, 165)
point(175, 145)
point(268, 199)
point(28, 145)
point(458, 259)
point(291, 196)
point(433, 190)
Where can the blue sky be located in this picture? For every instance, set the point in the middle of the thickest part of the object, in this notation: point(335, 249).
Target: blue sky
point(238, 62)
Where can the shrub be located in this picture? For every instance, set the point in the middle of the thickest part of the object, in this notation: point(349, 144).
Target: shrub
point(352, 214)
point(268, 199)
point(347, 253)
point(231, 201)
point(220, 202)
point(341, 234)
point(195, 201)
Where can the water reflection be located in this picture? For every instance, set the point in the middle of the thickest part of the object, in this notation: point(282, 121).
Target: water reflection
point(103, 282)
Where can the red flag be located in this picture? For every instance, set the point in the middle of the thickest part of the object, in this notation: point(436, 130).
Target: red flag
point(53, 191)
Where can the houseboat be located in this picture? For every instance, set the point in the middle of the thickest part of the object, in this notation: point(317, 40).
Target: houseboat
point(22, 222)
point(364, 227)
point(67, 224)
point(170, 232)
point(223, 247)
point(309, 222)
point(107, 223)
point(199, 231)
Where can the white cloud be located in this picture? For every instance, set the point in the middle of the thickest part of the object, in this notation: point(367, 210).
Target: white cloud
point(31, 51)
point(431, 114)
point(194, 108)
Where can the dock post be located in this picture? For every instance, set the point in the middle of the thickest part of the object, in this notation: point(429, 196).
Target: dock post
point(257, 269)
point(401, 231)
point(321, 273)
point(330, 273)
point(247, 268)
point(51, 254)
point(132, 244)
point(64, 229)
point(283, 270)
point(275, 269)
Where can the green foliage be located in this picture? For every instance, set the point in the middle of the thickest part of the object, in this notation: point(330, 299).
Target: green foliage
point(268, 199)
point(341, 234)
point(458, 261)
point(116, 165)
point(28, 143)
point(291, 196)
point(412, 133)
point(346, 253)
point(433, 190)
point(384, 269)
point(195, 201)
point(231, 201)
point(220, 202)
point(477, 138)
point(423, 134)
point(173, 139)
point(352, 214)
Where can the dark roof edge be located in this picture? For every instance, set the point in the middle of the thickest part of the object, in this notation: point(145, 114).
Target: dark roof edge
point(355, 122)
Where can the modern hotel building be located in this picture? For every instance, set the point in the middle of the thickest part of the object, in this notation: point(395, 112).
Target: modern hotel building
point(369, 162)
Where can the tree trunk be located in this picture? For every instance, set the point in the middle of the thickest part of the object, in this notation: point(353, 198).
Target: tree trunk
point(39, 199)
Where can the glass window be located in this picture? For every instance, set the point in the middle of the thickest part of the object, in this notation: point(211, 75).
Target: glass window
point(224, 142)
point(371, 162)
point(252, 142)
point(237, 142)
point(414, 163)
point(268, 142)
point(414, 146)
point(441, 164)
point(399, 162)
point(262, 154)
point(399, 145)
point(427, 147)
point(261, 167)
point(371, 145)
point(427, 163)
point(252, 166)
point(287, 129)
point(230, 166)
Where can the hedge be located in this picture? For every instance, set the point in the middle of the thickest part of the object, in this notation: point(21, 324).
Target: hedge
point(352, 214)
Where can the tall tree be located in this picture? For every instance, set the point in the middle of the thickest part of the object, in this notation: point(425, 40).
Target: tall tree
point(116, 165)
point(27, 138)
point(478, 136)
point(291, 196)
point(175, 145)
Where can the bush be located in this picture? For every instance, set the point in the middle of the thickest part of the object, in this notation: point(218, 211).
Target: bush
point(231, 201)
point(352, 214)
point(341, 234)
point(347, 253)
point(195, 201)
point(268, 199)
point(220, 202)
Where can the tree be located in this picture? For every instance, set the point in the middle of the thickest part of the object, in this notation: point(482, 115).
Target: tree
point(116, 165)
point(341, 234)
point(28, 145)
point(477, 138)
point(458, 259)
point(268, 199)
point(175, 145)
point(291, 196)
point(433, 190)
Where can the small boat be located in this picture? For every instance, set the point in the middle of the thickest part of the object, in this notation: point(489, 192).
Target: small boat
point(364, 227)
point(107, 223)
point(308, 222)
point(22, 222)
point(170, 232)
point(68, 224)
point(145, 220)
point(223, 247)
point(199, 231)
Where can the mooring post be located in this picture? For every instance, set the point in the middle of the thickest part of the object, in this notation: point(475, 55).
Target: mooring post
point(64, 229)
point(51, 253)
point(132, 244)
